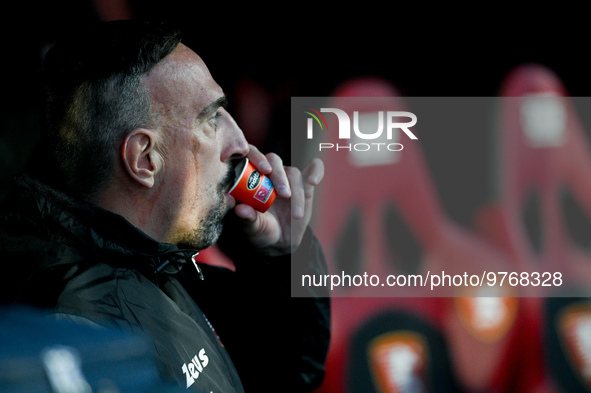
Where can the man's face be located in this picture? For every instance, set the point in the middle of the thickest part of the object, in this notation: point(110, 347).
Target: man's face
point(198, 142)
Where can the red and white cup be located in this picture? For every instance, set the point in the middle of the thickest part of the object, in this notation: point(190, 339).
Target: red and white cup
point(252, 187)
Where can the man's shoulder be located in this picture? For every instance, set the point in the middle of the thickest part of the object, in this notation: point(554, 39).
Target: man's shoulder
point(108, 283)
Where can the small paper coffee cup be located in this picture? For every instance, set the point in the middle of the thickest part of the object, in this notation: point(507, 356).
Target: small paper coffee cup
point(252, 187)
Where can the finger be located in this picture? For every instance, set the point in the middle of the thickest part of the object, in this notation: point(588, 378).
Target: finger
point(259, 160)
point(298, 199)
point(314, 172)
point(246, 213)
point(278, 176)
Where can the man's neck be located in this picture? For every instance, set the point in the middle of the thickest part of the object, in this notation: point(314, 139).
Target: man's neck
point(137, 206)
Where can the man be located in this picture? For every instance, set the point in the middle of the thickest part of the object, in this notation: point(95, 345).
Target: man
point(140, 155)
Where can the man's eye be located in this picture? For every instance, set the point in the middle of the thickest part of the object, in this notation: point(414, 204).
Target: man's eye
point(215, 117)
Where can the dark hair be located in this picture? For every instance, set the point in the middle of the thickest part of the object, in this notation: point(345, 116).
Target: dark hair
point(94, 96)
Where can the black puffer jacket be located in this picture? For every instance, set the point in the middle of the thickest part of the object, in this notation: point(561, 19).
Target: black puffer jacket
point(81, 260)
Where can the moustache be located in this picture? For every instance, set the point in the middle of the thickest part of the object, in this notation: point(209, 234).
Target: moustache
point(228, 180)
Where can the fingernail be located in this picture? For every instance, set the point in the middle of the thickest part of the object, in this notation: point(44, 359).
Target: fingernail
point(265, 167)
point(298, 212)
point(284, 191)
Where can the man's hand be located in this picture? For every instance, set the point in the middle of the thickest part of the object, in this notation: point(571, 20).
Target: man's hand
point(280, 229)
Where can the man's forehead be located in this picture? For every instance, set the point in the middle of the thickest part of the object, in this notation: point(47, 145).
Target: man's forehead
point(180, 73)
point(183, 53)
point(180, 63)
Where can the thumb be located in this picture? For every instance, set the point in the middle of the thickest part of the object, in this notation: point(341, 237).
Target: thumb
point(247, 214)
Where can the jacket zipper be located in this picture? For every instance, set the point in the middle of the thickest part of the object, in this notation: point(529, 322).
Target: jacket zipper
point(197, 266)
point(165, 263)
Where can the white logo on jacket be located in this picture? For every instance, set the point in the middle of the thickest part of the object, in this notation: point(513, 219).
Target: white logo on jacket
point(195, 367)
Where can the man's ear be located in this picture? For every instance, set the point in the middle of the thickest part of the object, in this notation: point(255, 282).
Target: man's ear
point(138, 155)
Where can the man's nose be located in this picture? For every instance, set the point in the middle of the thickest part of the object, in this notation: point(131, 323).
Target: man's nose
point(235, 144)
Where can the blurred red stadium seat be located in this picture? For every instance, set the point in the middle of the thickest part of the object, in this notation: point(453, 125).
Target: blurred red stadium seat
point(543, 173)
point(543, 156)
point(384, 217)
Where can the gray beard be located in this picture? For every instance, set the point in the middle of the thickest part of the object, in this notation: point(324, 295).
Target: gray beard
point(210, 227)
